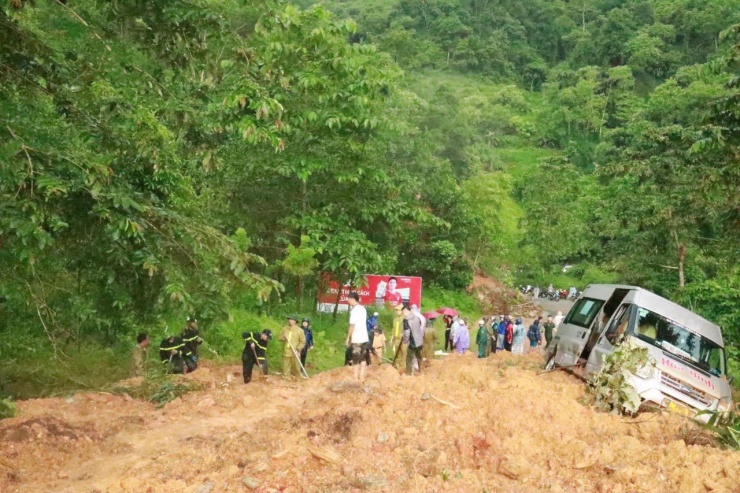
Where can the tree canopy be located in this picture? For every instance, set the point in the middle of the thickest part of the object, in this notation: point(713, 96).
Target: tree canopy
point(162, 156)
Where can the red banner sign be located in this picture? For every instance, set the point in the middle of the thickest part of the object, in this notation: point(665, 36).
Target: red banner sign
point(378, 291)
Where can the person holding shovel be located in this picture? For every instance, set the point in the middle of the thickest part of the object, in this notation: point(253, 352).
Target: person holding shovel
point(255, 352)
point(294, 341)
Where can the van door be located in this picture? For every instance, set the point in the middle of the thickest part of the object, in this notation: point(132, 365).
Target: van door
point(620, 325)
point(573, 332)
point(606, 314)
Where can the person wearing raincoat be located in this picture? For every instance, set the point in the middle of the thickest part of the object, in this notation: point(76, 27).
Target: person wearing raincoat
point(481, 339)
point(462, 338)
point(518, 339)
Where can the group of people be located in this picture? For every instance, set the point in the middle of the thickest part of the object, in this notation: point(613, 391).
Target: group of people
point(366, 341)
point(178, 353)
point(412, 340)
point(500, 333)
point(297, 342)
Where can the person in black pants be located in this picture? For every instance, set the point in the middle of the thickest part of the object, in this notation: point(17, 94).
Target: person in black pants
point(308, 332)
point(448, 325)
point(255, 352)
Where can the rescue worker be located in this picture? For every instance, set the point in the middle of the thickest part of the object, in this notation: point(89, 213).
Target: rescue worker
point(171, 354)
point(400, 347)
point(293, 335)
point(138, 355)
point(255, 352)
point(308, 333)
point(191, 338)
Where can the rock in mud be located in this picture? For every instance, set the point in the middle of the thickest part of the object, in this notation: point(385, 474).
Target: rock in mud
point(205, 487)
point(251, 483)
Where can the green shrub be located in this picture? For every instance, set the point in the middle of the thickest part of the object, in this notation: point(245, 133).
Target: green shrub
point(725, 426)
point(610, 388)
point(7, 408)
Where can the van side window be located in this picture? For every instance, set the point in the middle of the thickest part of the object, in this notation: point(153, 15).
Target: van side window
point(584, 312)
point(618, 325)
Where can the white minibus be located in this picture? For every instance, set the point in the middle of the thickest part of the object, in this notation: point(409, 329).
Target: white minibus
point(689, 374)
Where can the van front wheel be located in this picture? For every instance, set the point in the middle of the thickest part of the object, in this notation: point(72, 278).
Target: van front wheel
point(550, 365)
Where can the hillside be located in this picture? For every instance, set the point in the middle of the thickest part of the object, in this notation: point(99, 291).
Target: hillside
point(507, 427)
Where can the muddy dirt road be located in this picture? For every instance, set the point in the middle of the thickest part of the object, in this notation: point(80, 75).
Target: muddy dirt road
point(502, 428)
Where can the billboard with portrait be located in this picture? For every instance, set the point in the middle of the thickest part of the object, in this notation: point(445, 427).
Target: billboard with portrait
point(378, 290)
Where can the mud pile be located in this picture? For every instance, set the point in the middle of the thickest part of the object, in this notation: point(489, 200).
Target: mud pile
point(465, 425)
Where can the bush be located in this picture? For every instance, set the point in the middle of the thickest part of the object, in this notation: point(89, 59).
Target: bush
point(7, 408)
point(725, 427)
point(610, 387)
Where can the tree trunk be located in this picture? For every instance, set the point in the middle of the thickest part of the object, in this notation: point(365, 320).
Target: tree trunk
point(299, 288)
point(680, 251)
point(336, 302)
point(583, 17)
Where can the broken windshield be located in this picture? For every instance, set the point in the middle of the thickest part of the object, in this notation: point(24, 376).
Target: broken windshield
point(681, 342)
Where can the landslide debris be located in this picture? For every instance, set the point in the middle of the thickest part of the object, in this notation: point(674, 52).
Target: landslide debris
point(515, 431)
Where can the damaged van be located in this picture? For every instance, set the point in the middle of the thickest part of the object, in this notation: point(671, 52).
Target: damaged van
point(690, 370)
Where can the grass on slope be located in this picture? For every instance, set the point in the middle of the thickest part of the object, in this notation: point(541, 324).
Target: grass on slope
point(91, 366)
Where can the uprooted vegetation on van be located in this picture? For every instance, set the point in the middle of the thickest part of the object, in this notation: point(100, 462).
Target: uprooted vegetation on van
point(607, 324)
point(610, 387)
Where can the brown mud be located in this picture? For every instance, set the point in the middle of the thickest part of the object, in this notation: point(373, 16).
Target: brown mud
point(502, 427)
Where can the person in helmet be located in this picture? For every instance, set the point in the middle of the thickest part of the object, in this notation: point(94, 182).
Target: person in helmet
point(308, 333)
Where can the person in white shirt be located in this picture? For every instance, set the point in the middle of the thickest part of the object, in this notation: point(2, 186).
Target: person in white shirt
point(357, 339)
point(558, 318)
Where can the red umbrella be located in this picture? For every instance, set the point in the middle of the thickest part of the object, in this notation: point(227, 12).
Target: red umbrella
point(447, 311)
point(431, 315)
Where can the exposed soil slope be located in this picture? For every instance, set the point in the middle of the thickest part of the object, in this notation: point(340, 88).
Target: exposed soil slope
point(515, 431)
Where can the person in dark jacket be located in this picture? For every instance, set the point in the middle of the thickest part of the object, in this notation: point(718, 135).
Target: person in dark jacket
point(306, 326)
point(191, 339)
point(509, 339)
point(255, 352)
point(533, 334)
point(413, 334)
point(549, 326)
point(171, 353)
point(448, 329)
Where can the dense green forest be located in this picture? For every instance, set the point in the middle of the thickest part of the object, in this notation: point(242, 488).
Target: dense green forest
point(161, 157)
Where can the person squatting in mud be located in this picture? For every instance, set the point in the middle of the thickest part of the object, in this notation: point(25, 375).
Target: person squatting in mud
point(191, 340)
